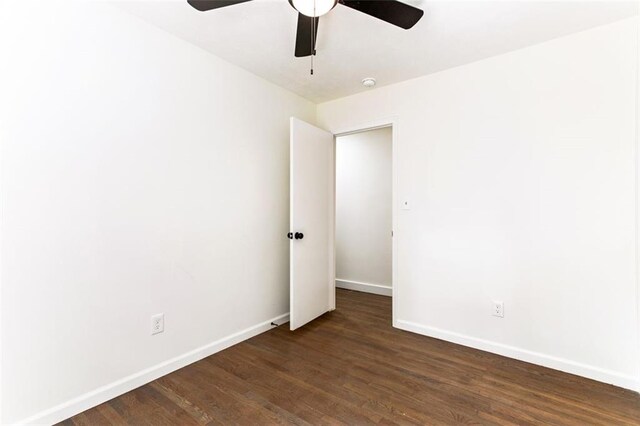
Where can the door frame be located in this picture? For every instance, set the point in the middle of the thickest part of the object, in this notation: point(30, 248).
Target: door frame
point(392, 122)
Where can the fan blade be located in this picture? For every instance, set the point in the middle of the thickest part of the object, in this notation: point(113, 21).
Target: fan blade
point(303, 36)
point(204, 5)
point(391, 11)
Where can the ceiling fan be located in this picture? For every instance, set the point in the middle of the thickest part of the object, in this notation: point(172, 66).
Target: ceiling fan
point(309, 11)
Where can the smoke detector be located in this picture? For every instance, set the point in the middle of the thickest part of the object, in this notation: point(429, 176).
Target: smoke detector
point(368, 82)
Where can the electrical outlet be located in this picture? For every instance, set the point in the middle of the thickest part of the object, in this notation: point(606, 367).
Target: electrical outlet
point(498, 309)
point(157, 324)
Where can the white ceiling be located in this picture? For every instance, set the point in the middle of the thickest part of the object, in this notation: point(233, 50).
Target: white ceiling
point(259, 36)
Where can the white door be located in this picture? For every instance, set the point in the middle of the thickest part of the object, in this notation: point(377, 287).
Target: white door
point(312, 288)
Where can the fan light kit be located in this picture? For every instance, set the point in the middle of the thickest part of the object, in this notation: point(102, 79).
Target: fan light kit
point(309, 11)
point(313, 8)
point(368, 82)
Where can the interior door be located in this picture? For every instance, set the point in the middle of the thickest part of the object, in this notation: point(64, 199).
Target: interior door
point(312, 258)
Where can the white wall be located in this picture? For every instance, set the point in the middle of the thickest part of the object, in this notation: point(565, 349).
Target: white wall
point(363, 208)
point(139, 175)
point(521, 172)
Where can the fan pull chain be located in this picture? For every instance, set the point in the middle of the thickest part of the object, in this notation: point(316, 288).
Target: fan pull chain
point(313, 34)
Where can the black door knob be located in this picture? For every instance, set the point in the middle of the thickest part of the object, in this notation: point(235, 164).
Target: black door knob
point(290, 235)
point(299, 235)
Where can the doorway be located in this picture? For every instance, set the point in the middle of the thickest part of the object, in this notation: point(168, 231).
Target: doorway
point(364, 213)
point(312, 229)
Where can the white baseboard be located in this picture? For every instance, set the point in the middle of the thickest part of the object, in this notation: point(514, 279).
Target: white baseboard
point(126, 384)
point(567, 366)
point(383, 290)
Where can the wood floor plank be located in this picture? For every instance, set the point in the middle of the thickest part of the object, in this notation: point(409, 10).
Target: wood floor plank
point(352, 367)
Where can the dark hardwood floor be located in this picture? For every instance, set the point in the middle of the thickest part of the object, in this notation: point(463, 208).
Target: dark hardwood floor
point(351, 367)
